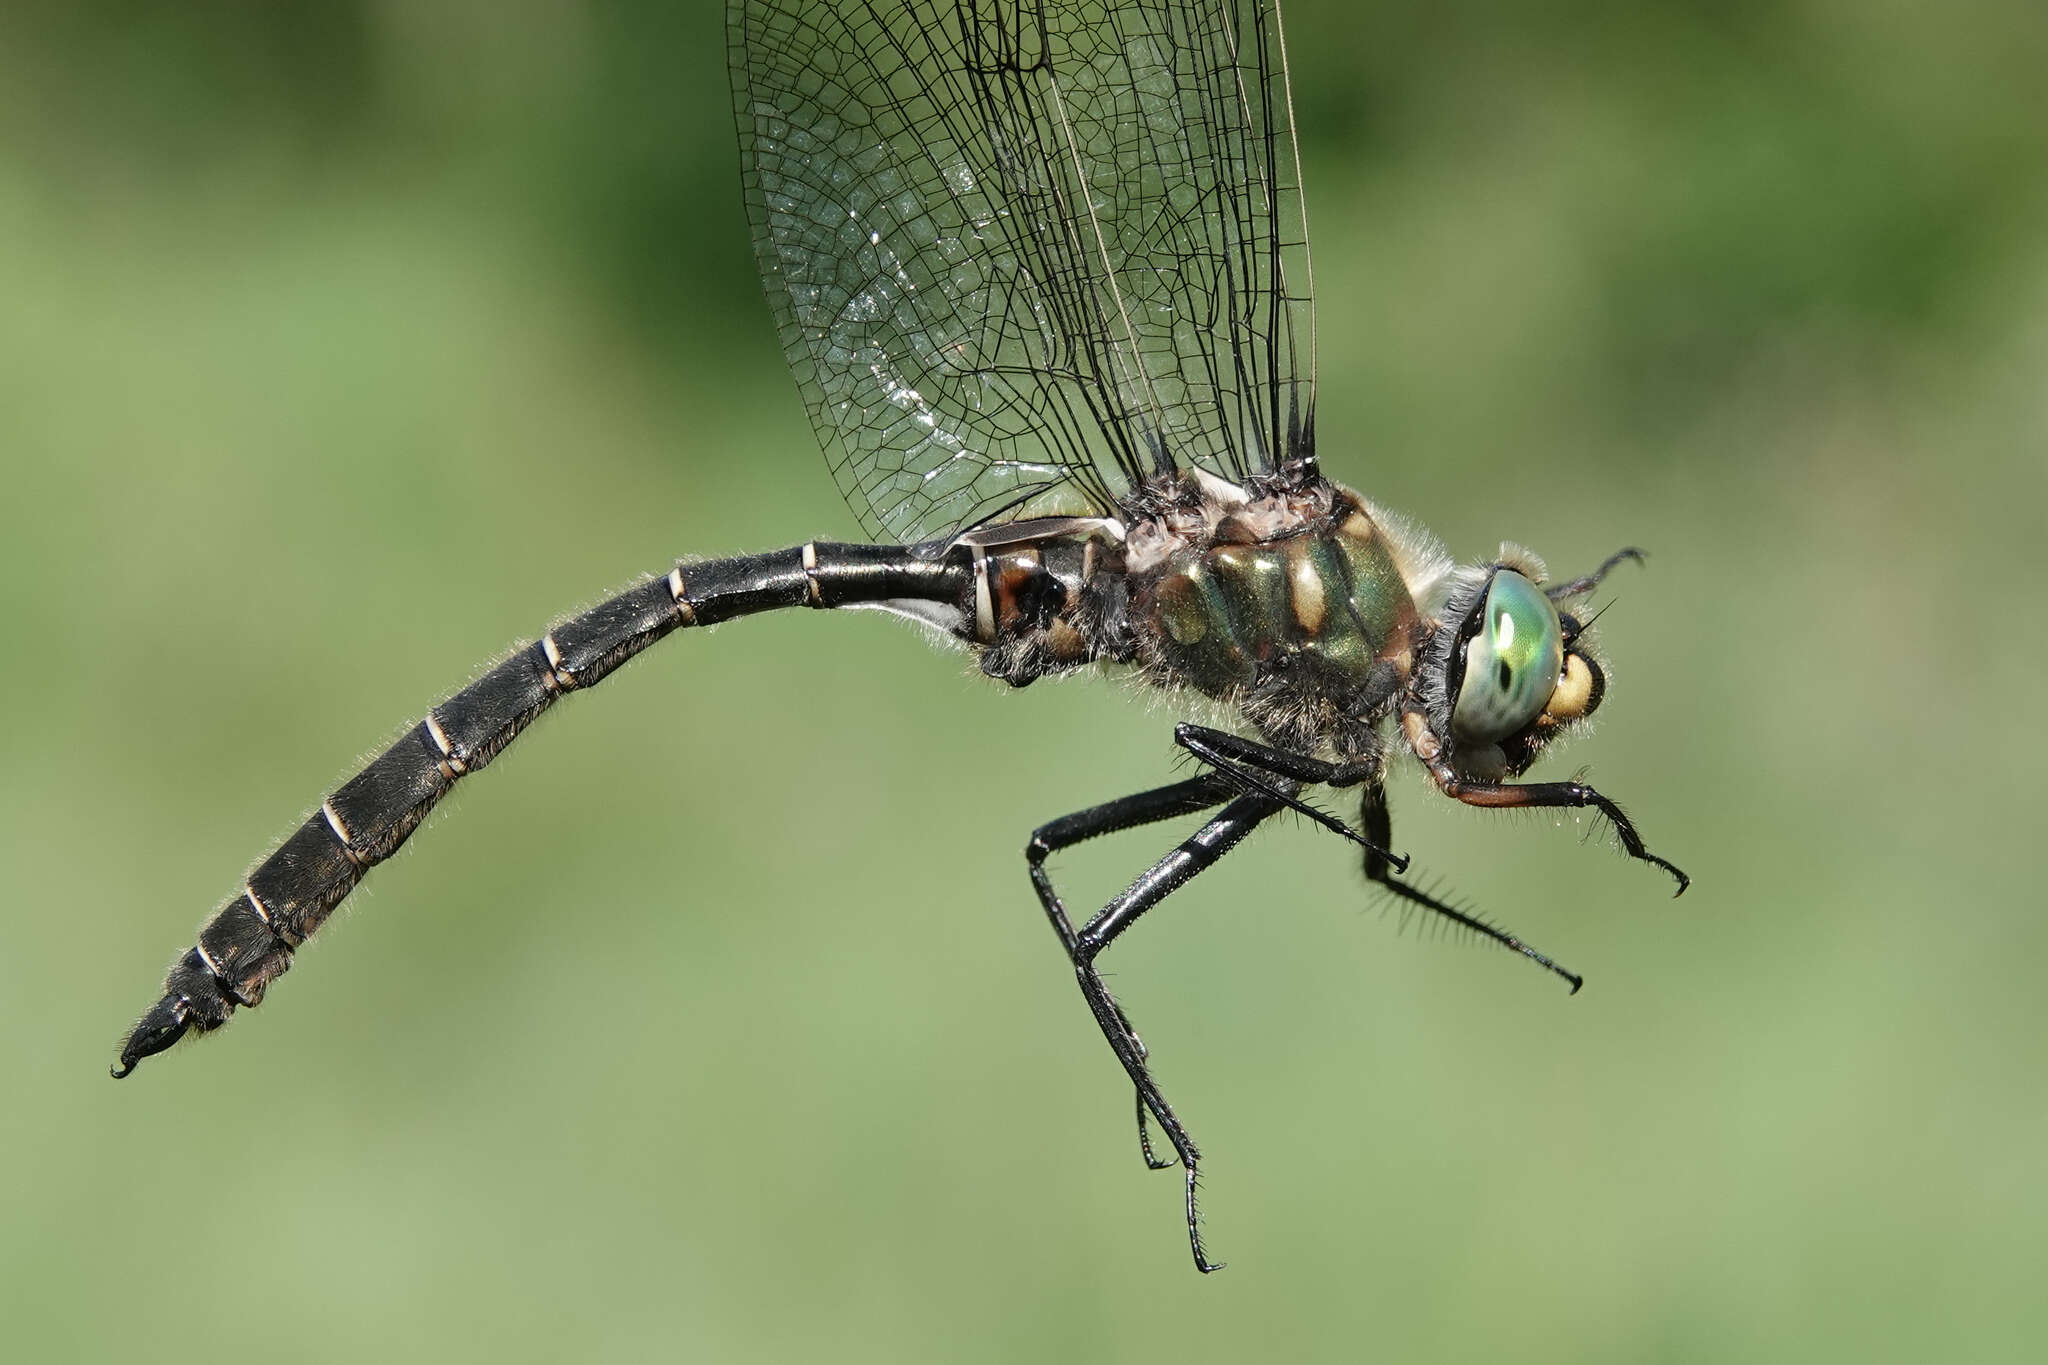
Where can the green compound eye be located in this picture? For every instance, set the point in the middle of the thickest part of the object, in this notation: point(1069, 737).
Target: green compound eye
point(1512, 663)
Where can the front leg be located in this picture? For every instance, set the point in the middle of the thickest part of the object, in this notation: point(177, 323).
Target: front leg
point(1577, 587)
point(1513, 795)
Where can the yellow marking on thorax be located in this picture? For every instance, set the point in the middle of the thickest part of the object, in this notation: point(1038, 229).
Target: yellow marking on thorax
point(1306, 594)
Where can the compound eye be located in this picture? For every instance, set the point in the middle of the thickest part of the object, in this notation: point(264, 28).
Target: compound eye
point(1512, 662)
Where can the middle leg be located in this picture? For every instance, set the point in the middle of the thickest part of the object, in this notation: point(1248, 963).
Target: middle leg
point(1232, 754)
point(1253, 766)
point(1379, 829)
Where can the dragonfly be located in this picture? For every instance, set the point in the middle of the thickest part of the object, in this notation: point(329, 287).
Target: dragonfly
point(1041, 270)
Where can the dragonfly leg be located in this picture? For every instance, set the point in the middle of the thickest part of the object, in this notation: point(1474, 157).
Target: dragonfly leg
point(1111, 817)
point(1230, 754)
point(1557, 592)
point(1214, 746)
point(1243, 761)
point(1379, 830)
point(1193, 856)
point(1522, 795)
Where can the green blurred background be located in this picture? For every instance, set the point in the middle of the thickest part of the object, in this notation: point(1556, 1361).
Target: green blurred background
point(344, 342)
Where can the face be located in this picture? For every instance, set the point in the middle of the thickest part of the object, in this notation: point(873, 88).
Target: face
point(1514, 676)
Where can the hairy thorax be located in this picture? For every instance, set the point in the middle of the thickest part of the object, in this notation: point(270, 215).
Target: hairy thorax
point(1297, 609)
point(1292, 608)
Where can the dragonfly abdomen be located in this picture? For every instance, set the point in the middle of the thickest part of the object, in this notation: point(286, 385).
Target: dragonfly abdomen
point(249, 942)
point(1047, 595)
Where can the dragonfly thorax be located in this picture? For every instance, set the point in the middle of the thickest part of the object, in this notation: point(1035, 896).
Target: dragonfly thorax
point(1292, 608)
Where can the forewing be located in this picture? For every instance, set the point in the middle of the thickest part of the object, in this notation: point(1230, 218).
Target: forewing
point(1027, 253)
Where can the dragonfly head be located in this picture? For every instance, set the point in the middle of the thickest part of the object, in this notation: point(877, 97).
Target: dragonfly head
point(1506, 672)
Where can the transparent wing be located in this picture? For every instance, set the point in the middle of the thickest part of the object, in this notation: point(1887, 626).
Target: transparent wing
point(1028, 253)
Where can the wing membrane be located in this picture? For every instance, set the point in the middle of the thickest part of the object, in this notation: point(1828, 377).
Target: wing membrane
point(1028, 253)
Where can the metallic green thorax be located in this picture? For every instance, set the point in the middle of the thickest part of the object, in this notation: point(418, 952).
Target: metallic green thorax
point(1331, 596)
